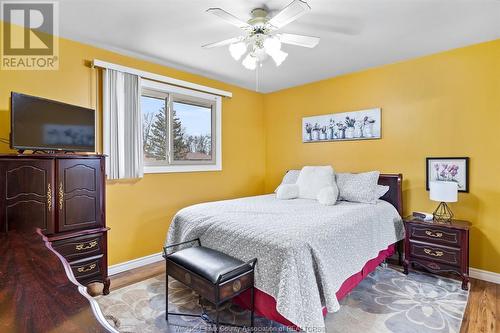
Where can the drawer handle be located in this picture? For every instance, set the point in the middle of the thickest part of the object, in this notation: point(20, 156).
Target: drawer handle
point(61, 196)
point(434, 254)
point(86, 269)
point(82, 246)
point(49, 197)
point(432, 234)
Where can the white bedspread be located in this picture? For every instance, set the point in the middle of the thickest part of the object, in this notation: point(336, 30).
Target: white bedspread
point(305, 250)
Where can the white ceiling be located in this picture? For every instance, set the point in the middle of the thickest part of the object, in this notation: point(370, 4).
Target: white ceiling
point(354, 34)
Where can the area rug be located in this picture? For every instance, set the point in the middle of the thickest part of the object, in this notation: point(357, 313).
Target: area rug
point(386, 301)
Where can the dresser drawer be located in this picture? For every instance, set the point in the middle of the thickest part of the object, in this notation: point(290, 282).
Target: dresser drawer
point(86, 269)
point(435, 253)
point(434, 266)
point(80, 247)
point(445, 236)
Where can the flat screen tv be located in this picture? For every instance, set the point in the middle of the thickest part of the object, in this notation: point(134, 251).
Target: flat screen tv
point(41, 124)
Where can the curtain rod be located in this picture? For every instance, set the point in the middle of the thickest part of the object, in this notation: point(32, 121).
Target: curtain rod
point(160, 78)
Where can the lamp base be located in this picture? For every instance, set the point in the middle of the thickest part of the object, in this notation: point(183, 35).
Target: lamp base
point(443, 213)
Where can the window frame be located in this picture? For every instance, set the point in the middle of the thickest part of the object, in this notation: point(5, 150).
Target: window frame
point(195, 101)
point(174, 93)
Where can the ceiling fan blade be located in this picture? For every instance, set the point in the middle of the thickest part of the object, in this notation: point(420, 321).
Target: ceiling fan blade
point(229, 18)
point(299, 40)
point(222, 42)
point(290, 13)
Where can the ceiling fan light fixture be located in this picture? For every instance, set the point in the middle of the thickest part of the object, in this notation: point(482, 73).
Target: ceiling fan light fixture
point(237, 50)
point(250, 62)
point(261, 38)
point(278, 56)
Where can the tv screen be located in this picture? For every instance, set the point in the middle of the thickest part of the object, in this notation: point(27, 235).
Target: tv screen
point(42, 124)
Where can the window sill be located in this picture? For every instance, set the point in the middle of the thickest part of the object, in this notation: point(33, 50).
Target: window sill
point(182, 168)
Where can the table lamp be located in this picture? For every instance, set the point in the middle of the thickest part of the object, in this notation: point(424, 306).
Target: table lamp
point(443, 192)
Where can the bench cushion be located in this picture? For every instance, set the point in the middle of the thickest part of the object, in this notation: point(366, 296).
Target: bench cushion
point(208, 263)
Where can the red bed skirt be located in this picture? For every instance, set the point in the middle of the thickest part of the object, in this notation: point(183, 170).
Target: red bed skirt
point(265, 304)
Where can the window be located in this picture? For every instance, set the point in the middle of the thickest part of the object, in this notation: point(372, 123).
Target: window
point(181, 129)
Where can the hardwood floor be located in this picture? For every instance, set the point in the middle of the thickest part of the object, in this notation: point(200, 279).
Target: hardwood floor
point(129, 277)
point(482, 314)
point(138, 274)
point(483, 310)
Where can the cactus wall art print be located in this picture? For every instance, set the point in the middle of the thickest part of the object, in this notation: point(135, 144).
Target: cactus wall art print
point(355, 125)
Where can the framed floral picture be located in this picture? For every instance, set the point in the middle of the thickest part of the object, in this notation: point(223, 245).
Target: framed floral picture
point(448, 169)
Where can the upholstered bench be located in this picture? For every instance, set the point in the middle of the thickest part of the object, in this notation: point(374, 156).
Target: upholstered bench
point(215, 276)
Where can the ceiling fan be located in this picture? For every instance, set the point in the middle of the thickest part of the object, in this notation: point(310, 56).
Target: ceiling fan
point(262, 38)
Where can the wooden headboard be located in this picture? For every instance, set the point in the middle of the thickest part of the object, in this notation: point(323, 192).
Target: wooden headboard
point(395, 194)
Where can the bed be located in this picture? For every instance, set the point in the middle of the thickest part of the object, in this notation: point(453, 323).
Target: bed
point(309, 255)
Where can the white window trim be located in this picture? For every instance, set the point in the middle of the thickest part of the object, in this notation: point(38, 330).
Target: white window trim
point(154, 85)
point(160, 78)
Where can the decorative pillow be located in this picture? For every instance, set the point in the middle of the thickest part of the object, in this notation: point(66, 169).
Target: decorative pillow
point(289, 178)
point(312, 179)
point(328, 195)
point(358, 187)
point(381, 191)
point(287, 191)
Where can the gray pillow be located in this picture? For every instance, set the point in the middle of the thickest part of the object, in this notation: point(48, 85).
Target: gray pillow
point(358, 187)
point(381, 190)
point(289, 178)
point(287, 191)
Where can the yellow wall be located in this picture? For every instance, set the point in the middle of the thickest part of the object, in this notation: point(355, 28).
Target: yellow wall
point(446, 104)
point(139, 212)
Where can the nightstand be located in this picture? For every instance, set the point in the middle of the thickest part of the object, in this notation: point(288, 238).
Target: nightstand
point(438, 247)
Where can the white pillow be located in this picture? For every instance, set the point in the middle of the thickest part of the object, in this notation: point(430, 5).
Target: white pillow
point(328, 195)
point(287, 191)
point(312, 179)
point(358, 187)
point(289, 178)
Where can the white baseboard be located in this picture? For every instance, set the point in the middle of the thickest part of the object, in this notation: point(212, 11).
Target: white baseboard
point(135, 263)
point(484, 275)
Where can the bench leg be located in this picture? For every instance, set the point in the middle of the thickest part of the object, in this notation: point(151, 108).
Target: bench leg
point(217, 317)
point(166, 292)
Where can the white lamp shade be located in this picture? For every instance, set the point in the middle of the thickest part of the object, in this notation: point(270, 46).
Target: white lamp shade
point(443, 191)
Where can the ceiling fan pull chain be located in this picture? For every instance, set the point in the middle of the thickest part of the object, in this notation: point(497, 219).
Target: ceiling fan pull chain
point(261, 75)
point(257, 77)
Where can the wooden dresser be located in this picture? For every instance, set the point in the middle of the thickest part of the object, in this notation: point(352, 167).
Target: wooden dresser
point(438, 247)
point(64, 196)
